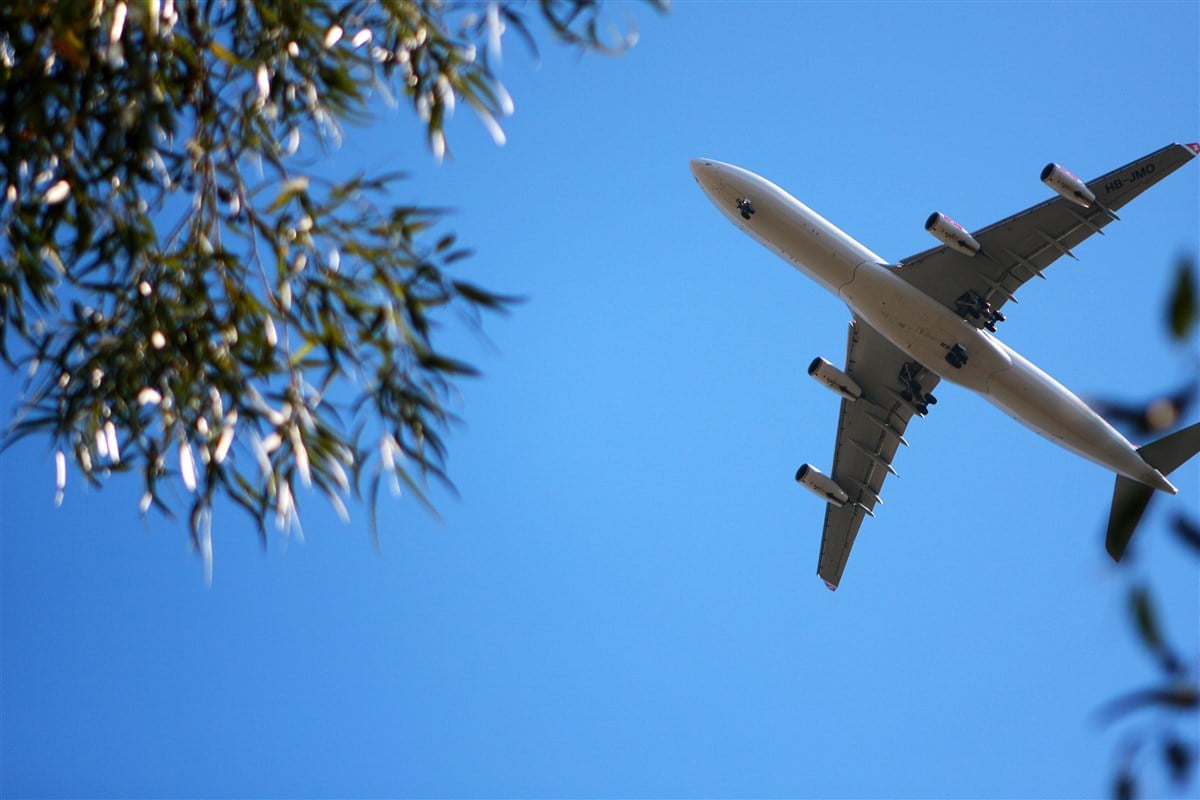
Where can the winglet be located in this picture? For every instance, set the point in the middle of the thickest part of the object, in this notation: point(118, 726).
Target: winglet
point(831, 586)
point(1130, 498)
point(1194, 147)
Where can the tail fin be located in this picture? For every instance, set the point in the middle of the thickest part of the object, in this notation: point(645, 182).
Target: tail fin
point(1130, 498)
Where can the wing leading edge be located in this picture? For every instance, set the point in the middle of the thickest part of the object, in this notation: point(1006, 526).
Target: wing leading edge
point(870, 431)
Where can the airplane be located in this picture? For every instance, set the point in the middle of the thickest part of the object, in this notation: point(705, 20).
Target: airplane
point(933, 317)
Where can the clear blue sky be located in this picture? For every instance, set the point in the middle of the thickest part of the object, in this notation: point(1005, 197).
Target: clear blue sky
point(623, 601)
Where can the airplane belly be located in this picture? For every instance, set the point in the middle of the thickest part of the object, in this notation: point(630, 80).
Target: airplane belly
point(923, 328)
point(927, 330)
point(793, 236)
point(1045, 406)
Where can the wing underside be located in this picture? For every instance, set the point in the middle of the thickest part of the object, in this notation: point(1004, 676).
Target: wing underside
point(1018, 248)
point(870, 430)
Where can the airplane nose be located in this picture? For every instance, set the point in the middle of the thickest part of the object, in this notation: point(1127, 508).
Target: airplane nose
point(702, 167)
point(708, 174)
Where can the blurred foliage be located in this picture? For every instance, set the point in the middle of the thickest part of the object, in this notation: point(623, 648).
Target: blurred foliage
point(188, 299)
point(1161, 721)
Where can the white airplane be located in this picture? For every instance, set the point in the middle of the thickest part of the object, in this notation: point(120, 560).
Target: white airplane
point(933, 316)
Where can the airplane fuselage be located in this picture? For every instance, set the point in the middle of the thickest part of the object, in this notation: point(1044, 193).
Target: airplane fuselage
point(916, 323)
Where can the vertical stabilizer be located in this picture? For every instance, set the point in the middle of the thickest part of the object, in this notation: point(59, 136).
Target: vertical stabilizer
point(1130, 497)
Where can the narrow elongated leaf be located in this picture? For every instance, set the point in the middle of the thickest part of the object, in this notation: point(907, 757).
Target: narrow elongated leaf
point(1184, 307)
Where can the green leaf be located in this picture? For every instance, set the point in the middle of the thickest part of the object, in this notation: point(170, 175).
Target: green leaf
point(220, 51)
point(1141, 606)
point(1181, 697)
point(291, 188)
point(1125, 786)
point(1187, 531)
point(1183, 309)
point(482, 297)
point(1179, 759)
point(439, 363)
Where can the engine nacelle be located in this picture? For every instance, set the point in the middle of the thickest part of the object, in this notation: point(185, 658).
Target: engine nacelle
point(1062, 181)
point(951, 233)
point(834, 379)
point(821, 485)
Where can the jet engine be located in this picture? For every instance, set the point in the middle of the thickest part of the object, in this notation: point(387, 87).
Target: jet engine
point(1062, 181)
point(819, 484)
point(947, 230)
point(834, 379)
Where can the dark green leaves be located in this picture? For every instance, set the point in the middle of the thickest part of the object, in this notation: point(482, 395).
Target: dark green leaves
point(1150, 715)
point(185, 294)
point(1183, 310)
point(1154, 718)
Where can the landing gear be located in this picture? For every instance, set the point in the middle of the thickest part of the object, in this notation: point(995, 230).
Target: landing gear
point(745, 207)
point(911, 392)
point(972, 305)
point(957, 356)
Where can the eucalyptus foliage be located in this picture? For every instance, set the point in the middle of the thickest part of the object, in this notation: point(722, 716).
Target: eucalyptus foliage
point(189, 300)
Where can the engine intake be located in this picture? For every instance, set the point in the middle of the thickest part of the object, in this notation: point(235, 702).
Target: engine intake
point(821, 485)
point(951, 233)
point(834, 379)
point(1065, 183)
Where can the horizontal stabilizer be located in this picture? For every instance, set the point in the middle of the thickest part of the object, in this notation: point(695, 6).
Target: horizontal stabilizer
point(1170, 452)
point(1130, 498)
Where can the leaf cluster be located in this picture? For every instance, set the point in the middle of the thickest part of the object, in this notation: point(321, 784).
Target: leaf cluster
point(1162, 717)
point(184, 296)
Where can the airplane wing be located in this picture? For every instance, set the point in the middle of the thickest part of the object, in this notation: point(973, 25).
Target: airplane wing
point(1015, 249)
point(870, 430)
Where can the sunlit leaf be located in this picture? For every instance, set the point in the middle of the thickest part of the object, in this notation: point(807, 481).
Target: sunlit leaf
point(220, 51)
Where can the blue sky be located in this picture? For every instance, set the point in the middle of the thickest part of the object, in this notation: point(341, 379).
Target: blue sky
point(623, 599)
